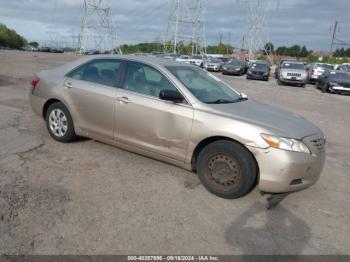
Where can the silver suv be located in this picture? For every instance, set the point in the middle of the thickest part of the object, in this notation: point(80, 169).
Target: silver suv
point(292, 73)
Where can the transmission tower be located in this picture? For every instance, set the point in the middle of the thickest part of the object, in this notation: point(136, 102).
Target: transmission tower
point(98, 30)
point(258, 13)
point(186, 25)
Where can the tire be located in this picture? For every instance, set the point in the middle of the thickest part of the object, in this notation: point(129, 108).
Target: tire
point(279, 82)
point(59, 123)
point(238, 169)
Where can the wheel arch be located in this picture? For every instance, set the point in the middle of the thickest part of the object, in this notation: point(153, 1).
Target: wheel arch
point(47, 104)
point(201, 145)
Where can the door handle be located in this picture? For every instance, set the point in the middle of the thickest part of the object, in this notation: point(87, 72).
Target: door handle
point(68, 85)
point(124, 100)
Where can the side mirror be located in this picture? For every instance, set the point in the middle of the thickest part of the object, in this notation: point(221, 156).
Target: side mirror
point(244, 96)
point(171, 95)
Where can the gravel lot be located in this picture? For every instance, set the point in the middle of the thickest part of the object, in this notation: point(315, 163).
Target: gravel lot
point(92, 198)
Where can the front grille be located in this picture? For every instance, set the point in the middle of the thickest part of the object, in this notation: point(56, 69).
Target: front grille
point(294, 74)
point(257, 73)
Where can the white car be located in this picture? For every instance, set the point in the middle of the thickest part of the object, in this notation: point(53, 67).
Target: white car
point(197, 60)
point(183, 59)
point(317, 70)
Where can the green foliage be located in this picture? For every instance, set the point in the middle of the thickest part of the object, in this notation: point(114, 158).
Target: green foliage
point(34, 44)
point(341, 52)
point(9, 38)
point(142, 48)
point(295, 50)
point(185, 49)
point(220, 49)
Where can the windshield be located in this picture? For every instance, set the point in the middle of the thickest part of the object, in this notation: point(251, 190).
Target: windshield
point(197, 57)
point(204, 86)
point(325, 66)
point(258, 66)
point(214, 60)
point(235, 63)
point(339, 76)
point(293, 65)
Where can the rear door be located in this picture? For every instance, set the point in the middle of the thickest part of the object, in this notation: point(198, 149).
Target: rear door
point(146, 122)
point(90, 92)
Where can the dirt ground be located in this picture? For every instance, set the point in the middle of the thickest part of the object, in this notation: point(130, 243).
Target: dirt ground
point(92, 198)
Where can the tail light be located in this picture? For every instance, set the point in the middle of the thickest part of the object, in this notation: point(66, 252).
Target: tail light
point(35, 82)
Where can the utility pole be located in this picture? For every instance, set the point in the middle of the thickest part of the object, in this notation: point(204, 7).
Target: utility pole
point(186, 25)
point(333, 35)
point(258, 14)
point(98, 30)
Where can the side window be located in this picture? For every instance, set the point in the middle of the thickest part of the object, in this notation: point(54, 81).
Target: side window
point(141, 78)
point(102, 71)
point(77, 73)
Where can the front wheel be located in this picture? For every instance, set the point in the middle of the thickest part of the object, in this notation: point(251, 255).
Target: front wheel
point(227, 169)
point(59, 123)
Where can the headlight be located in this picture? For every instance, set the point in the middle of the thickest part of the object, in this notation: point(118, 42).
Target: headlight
point(288, 144)
point(225, 68)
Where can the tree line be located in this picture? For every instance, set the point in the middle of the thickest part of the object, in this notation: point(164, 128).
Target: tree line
point(342, 52)
point(9, 38)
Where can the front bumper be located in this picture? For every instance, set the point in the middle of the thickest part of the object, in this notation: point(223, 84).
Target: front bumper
point(258, 77)
point(284, 171)
point(339, 89)
point(293, 81)
point(232, 71)
point(213, 68)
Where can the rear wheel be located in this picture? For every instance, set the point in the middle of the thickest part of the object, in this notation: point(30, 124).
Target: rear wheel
point(227, 169)
point(59, 123)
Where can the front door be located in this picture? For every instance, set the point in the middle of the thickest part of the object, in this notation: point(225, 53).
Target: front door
point(143, 120)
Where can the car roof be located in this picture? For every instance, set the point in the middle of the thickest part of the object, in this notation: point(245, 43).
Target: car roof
point(143, 59)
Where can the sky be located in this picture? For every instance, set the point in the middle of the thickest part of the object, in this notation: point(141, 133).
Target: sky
point(303, 22)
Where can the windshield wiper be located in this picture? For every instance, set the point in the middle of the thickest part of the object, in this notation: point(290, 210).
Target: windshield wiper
point(222, 101)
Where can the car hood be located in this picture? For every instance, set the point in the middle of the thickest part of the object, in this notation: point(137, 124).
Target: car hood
point(342, 83)
point(214, 64)
point(233, 66)
point(258, 70)
point(274, 120)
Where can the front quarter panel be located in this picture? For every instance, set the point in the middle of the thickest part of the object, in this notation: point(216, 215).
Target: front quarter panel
point(207, 124)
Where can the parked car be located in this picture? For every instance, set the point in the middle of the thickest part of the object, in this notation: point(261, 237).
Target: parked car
point(183, 59)
point(213, 64)
point(317, 70)
point(235, 67)
point(197, 60)
point(170, 56)
point(344, 67)
point(92, 52)
point(279, 65)
point(258, 71)
point(182, 115)
point(224, 60)
point(292, 73)
point(334, 82)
